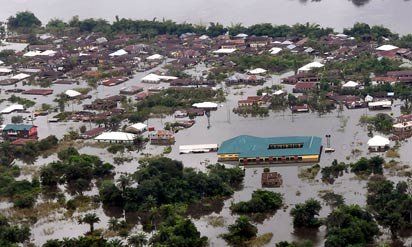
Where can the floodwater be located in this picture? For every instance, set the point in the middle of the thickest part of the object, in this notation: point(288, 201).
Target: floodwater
point(346, 135)
point(338, 14)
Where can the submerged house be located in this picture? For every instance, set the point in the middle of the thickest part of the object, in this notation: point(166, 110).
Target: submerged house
point(247, 149)
point(19, 131)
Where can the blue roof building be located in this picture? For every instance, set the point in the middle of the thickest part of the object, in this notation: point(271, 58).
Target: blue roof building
point(250, 149)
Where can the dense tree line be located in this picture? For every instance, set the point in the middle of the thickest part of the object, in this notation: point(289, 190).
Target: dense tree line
point(165, 181)
point(350, 226)
point(75, 170)
point(391, 204)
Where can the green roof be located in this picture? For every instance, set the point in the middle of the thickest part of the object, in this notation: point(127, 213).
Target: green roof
point(18, 127)
point(251, 146)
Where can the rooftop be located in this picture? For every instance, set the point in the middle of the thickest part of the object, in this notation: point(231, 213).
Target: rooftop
point(252, 146)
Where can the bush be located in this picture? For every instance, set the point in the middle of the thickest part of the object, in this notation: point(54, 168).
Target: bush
point(262, 202)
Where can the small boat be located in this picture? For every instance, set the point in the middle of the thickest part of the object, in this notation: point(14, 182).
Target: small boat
point(329, 150)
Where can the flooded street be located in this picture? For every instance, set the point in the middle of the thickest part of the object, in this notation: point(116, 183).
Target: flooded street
point(346, 136)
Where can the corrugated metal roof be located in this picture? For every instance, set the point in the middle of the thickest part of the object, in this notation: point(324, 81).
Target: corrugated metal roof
point(18, 127)
point(251, 146)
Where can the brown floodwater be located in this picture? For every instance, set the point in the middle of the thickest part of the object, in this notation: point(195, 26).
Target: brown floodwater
point(345, 130)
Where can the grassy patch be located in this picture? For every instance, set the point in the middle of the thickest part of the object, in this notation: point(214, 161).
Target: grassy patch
point(216, 221)
point(167, 150)
point(392, 153)
point(309, 173)
point(261, 240)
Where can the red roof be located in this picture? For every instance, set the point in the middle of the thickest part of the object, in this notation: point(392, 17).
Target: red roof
point(38, 91)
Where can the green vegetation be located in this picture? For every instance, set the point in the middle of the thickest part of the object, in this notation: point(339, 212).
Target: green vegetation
point(262, 202)
point(170, 100)
point(167, 182)
point(12, 235)
point(391, 205)
point(254, 111)
point(17, 119)
point(176, 230)
point(240, 232)
point(76, 171)
point(22, 193)
point(310, 172)
point(304, 214)
point(28, 152)
point(330, 173)
point(332, 199)
point(83, 241)
point(22, 101)
point(360, 30)
point(90, 219)
point(368, 166)
point(167, 150)
point(306, 243)
point(23, 20)
point(381, 122)
point(350, 226)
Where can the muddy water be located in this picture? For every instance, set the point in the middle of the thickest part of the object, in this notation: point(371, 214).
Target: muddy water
point(345, 130)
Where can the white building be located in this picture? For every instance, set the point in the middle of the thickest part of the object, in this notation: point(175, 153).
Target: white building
point(310, 66)
point(378, 143)
point(116, 137)
point(137, 128)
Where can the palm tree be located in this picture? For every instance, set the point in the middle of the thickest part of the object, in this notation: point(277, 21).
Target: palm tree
point(113, 224)
point(123, 181)
point(138, 240)
point(91, 219)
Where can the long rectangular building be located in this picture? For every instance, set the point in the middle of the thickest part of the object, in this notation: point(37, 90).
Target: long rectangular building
point(247, 149)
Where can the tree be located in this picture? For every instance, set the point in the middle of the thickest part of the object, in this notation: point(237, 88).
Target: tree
point(304, 214)
point(240, 232)
point(262, 202)
point(350, 226)
point(391, 205)
point(23, 20)
point(123, 181)
point(11, 235)
point(176, 230)
point(138, 240)
point(91, 219)
point(17, 119)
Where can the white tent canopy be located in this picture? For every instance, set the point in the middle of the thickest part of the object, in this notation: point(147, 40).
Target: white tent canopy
point(225, 51)
point(387, 48)
point(205, 105)
point(118, 53)
point(350, 84)
point(275, 50)
point(257, 71)
point(155, 57)
point(1, 62)
point(310, 66)
point(153, 78)
point(72, 93)
point(378, 141)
